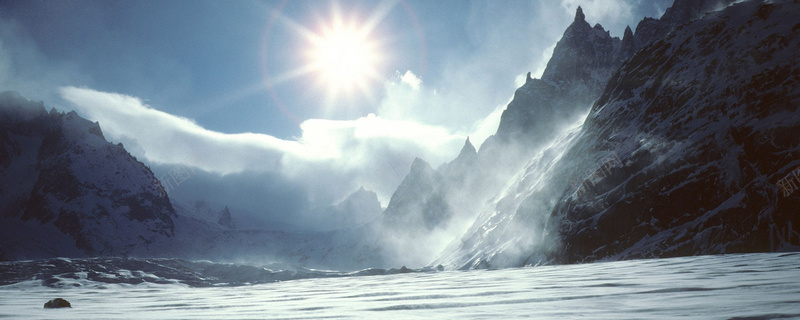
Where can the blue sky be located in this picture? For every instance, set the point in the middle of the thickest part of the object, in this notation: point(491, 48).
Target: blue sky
point(207, 83)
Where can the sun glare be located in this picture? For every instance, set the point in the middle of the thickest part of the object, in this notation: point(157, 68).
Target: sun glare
point(344, 59)
point(342, 52)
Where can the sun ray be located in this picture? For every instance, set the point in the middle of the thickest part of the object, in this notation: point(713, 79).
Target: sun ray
point(343, 53)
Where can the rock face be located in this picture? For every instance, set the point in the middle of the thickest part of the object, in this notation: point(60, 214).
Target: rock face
point(418, 203)
point(57, 303)
point(680, 13)
point(431, 205)
point(704, 122)
point(225, 219)
point(690, 149)
point(583, 61)
point(358, 208)
point(66, 191)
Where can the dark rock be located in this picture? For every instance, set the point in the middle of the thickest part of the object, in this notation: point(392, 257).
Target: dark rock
point(712, 184)
point(63, 165)
point(225, 219)
point(579, 15)
point(583, 61)
point(698, 118)
point(57, 303)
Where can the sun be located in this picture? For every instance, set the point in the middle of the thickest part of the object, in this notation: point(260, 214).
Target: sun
point(344, 59)
point(344, 54)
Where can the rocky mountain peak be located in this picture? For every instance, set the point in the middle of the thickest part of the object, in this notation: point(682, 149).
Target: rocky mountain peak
point(671, 159)
point(419, 165)
point(582, 62)
point(56, 166)
point(579, 16)
point(468, 150)
point(225, 219)
point(581, 49)
point(628, 43)
point(628, 33)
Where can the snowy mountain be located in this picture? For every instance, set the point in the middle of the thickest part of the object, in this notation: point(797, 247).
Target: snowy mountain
point(703, 123)
point(678, 139)
point(690, 149)
point(583, 61)
point(66, 191)
point(358, 208)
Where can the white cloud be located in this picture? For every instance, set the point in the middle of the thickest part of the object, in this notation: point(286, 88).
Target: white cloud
point(331, 158)
point(411, 79)
point(165, 138)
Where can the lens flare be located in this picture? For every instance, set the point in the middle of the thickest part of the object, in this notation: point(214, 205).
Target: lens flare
point(344, 58)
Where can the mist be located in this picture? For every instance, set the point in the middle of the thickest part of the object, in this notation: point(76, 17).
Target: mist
point(287, 183)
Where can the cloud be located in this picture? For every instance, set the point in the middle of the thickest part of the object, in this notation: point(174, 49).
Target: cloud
point(164, 138)
point(23, 68)
point(330, 159)
point(411, 79)
point(426, 115)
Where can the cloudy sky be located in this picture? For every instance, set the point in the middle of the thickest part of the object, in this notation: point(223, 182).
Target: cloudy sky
point(302, 100)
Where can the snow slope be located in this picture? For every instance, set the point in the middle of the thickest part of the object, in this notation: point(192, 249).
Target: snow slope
point(681, 155)
point(68, 191)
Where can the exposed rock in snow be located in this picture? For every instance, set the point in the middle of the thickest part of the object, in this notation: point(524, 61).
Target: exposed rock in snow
point(704, 122)
point(57, 303)
point(702, 125)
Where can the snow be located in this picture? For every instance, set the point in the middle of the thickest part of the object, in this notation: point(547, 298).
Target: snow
point(761, 286)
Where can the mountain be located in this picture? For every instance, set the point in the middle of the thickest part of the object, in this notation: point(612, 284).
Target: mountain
point(358, 208)
point(680, 13)
point(66, 191)
point(453, 196)
point(225, 219)
point(704, 123)
point(418, 202)
point(583, 61)
point(202, 210)
point(691, 148)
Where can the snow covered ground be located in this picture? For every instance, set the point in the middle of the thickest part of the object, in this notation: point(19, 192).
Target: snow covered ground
point(751, 286)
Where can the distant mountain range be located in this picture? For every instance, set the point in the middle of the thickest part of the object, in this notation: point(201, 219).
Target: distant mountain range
point(690, 146)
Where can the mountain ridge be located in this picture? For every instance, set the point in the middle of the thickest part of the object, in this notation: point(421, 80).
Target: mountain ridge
point(543, 216)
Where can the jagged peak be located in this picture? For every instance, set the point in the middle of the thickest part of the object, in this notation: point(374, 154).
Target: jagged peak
point(579, 16)
point(468, 149)
point(628, 33)
point(419, 164)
